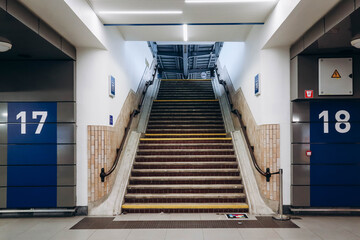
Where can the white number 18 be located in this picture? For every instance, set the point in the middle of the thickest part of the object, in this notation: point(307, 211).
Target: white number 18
point(342, 117)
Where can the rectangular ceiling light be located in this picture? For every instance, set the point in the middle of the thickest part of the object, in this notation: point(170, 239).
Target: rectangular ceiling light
point(185, 32)
point(227, 1)
point(141, 12)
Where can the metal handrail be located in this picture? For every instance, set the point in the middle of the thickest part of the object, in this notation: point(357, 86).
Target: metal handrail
point(266, 173)
point(134, 113)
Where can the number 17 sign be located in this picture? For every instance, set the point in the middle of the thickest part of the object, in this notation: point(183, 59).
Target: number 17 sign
point(32, 122)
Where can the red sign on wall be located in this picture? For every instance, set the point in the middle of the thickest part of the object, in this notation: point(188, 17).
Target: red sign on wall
point(309, 93)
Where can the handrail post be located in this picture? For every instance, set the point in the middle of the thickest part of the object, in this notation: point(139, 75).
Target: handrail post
point(280, 216)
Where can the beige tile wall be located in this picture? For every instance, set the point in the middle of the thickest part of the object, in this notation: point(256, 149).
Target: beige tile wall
point(102, 144)
point(266, 142)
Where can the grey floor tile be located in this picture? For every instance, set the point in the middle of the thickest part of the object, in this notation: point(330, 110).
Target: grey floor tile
point(73, 235)
point(147, 234)
point(259, 234)
point(128, 217)
point(212, 216)
point(156, 216)
point(110, 234)
point(184, 234)
point(217, 234)
point(184, 216)
point(296, 234)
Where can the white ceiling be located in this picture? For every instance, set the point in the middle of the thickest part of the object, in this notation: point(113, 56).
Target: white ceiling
point(245, 12)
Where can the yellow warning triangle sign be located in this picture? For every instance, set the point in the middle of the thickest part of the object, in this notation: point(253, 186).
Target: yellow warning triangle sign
point(336, 74)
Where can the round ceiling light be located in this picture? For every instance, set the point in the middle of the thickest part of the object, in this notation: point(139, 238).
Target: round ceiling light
point(5, 45)
point(355, 42)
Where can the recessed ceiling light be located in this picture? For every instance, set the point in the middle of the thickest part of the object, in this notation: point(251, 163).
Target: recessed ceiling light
point(5, 45)
point(227, 1)
point(355, 42)
point(140, 12)
point(185, 32)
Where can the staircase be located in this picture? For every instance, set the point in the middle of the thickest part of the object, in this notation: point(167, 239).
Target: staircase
point(186, 162)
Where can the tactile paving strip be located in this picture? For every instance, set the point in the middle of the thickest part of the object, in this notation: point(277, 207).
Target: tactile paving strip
point(108, 223)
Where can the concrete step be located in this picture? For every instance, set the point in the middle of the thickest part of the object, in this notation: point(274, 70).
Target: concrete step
point(183, 165)
point(186, 103)
point(193, 110)
point(187, 180)
point(185, 114)
point(185, 158)
point(186, 126)
point(185, 122)
point(185, 98)
point(186, 188)
point(187, 195)
point(192, 152)
point(173, 107)
point(184, 172)
point(184, 207)
point(184, 140)
point(183, 130)
point(184, 118)
point(185, 135)
point(149, 145)
point(185, 198)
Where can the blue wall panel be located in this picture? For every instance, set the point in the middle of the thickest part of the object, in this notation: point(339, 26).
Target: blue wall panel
point(32, 176)
point(31, 197)
point(335, 153)
point(335, 175)
point(335, 161)
point(32, 154)
point(335, 196)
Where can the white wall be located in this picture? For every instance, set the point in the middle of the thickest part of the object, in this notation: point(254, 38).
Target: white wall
point(123, 60)
point(243, 61)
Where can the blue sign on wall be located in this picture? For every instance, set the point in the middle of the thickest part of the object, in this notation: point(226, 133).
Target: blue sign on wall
point(257, 85)
point(111, 120)
point(334, 163)
point(32, 155)
point(112, 86)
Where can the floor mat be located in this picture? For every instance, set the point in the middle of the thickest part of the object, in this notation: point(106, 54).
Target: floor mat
point(108, 223)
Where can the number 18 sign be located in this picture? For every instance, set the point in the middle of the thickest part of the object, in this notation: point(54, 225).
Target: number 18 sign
point(335, 121)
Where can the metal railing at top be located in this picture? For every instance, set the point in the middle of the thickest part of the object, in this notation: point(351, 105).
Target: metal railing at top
point(266, 173)
point(134, 113)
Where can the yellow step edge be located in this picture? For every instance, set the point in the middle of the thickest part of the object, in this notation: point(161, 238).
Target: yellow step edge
point(185, 134)
point(182, 139)
point(184, 206)
point(185, 79)
point(185, 100)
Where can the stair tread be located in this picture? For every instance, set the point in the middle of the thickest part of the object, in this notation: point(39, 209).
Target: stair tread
point(187, 144)
point(185, 170)
point(186, 163)
point(185, 195)
point(185, 150)
point(185, 156)
point(185, 205)
point(188, 177)
point(187, 186)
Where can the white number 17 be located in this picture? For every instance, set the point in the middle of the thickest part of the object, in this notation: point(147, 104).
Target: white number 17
point(35, 115)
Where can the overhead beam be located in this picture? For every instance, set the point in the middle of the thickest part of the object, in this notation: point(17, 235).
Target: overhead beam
point(169, 54)
point(190, 54)
point(189, 71)
point(186, 61)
